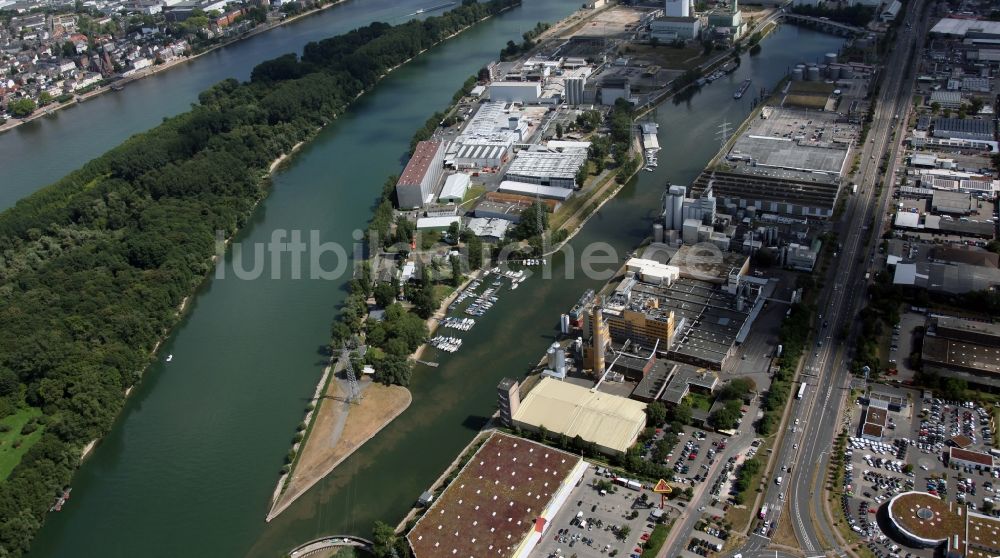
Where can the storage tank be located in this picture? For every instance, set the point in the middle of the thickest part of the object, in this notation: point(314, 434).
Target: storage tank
point(830, 58)
point(564, 324)
point(551, 355)
point(846, 72)
point(798, 74)
point(561, 362)
point(834, 72)
point(812, 74)
point(658, 232)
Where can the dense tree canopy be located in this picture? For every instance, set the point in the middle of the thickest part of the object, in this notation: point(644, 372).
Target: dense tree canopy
point(94, 267)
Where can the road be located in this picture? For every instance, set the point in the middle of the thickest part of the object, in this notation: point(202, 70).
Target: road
point(814, 420)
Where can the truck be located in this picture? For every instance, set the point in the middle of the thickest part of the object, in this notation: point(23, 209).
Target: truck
point(854, 188)
point(763, 512)
point(629, 483)
point(777, 352)
point(802, 391)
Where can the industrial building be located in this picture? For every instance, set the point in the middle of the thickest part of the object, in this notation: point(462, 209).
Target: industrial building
point(975, 459)
point(524, 92)
point(455, 187)
point(964, 128)
point(489, 229)
point(966, 349)
point(686, 379)
point(500, 503)
point(677, 8)
point(487, 138)
point(687, 320)
point(614, 88)
point(527, 189)
point(547, 167)
point(769, 190)
point(801, 257)
point(610, 422)
point(974, 30)
point(672, 28)
point(416, 185)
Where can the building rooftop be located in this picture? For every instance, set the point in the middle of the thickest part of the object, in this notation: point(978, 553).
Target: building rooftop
point(965, 356)
point(971, 456)
point(964, 125)
point(962, 325)
point(961, 27)
point(545, 164)
point(493, 503)
point(420, 162)
point(607, 420)
point(527, 189)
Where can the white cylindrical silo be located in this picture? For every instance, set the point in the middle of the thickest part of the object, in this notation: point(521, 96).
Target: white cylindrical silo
point(564, 324)
point(561, 362)
point(830, 58)
point(657, 232)
point(798, 74)
point(834, 72)
point(812, 74)
point(550, 357)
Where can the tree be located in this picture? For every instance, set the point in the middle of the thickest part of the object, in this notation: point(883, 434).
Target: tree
point(475, 248)
point(385, 293)
point(383, 540)
point(935, 107)
point(656, 414)
point(623, 532)
point(559, 130)
point(21, 107)
point(456, 271)
point(454, 230)
point(581, 176)
point(44, 98)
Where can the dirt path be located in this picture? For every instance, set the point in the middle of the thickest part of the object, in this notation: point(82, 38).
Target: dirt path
point(339, 430)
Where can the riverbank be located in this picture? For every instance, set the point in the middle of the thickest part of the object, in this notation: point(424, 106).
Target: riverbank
point(47, 110)
point(339, 428)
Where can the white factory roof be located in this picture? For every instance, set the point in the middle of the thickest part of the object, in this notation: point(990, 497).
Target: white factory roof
point(923, 159)
point(437, 222)
point(551, 192)
point(489, 226)
point(906, 274)
point(548, 164)
point(907, 220)
point(610, 421)
point(455, 186)
point(952, 26)
point(478, 91)
point(566, 144)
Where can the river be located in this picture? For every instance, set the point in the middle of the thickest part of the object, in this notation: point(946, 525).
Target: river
point(189, 467)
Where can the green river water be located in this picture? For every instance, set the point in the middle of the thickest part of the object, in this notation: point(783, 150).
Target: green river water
point(189, 468)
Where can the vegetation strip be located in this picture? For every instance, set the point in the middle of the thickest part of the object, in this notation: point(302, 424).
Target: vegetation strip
point(96, 265)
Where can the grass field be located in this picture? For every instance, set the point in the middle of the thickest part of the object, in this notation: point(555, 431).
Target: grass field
point(668, 57)
point(13, 445)
point(699, 401)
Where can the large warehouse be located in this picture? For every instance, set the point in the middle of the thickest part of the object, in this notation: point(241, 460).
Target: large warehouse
point(611, 422)
point(500, 503)
point(421, 175)
point(549, 168)
point(487, 139)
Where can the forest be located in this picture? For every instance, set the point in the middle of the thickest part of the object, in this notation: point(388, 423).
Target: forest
point(94, 267)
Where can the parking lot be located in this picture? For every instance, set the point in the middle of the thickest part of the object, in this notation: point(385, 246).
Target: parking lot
point(913, 454)
point(594, 518)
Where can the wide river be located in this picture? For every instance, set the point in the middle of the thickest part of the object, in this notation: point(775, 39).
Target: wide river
point(189, 467)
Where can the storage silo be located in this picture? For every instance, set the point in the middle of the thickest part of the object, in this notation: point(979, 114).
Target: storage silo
point(812, 73)
point(830, 58)
point(561, 362)
point(564, 324)
point(846, 72)
point(798, 73)
point(673, 212)
point(657, 232)
point(834, 72)
point(551, 355)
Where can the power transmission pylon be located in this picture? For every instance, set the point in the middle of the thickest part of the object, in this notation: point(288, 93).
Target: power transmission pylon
point(353, 389)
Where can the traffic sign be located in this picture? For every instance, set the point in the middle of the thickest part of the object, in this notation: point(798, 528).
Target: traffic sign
point(662, 487)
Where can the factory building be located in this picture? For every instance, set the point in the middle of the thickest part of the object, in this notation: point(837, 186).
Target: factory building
point(801, 257)
point(611, 422)
point(774, 191)
point(469, 519)
point(670, 28)
point(489, 229)
point(509, 398)
point(524, 92)
point(673, 207)
point(416, 185)
point(677, 8)
point(614, 88)
point(547, 167)
point(487, 138)
point(527, 189)
point(965, 349)
point(963, 128)
point(688, 320)
point(455, 187)
point(574, 90)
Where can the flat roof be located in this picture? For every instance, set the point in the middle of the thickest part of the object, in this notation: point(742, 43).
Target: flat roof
point(955, 26)
point(607, 420)
point(548, 164)
point(967, 356)
point(553, 192)
point(970, 326)
point(872, 430)
point(493, 502)
point(937, 523)
point(876, 416)
point(420, 162)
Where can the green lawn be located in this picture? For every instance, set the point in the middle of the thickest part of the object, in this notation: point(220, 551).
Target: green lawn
point(473, 193)
point(10, 456)
point(655, 542)
point(699, 401)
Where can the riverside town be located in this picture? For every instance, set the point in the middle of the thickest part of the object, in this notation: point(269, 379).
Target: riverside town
point(500, 278)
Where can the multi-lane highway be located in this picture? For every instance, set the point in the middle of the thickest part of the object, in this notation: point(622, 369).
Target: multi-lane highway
point(813, 420)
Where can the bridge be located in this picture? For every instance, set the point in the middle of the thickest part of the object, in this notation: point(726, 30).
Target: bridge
point(825, 25)
point(325, 543)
